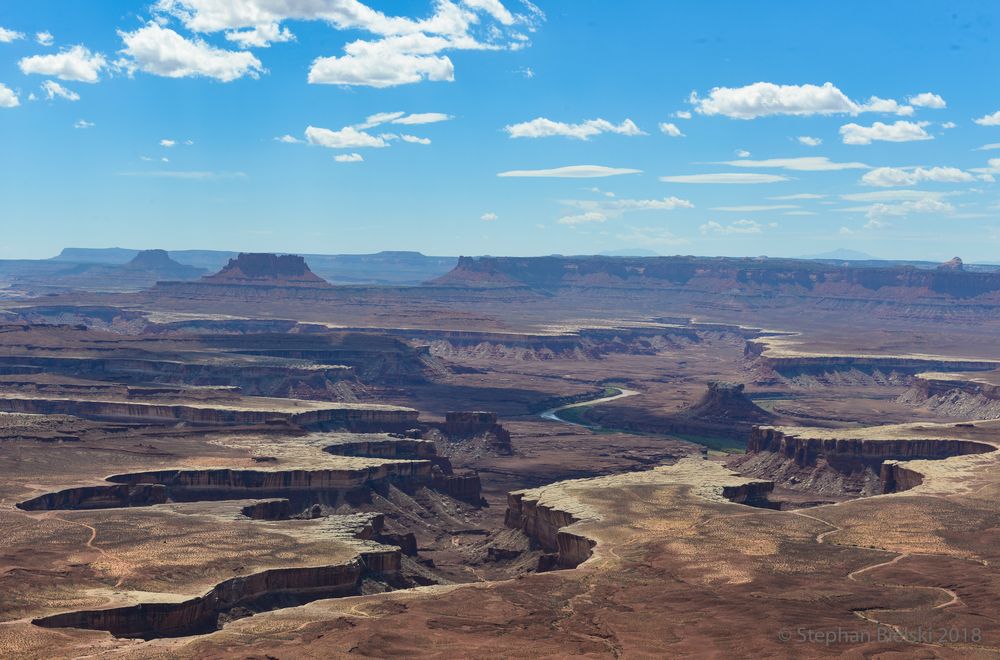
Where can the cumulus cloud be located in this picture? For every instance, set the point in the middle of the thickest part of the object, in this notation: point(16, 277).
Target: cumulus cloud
point(386, 63)
point(75, 63)
point(403, 51)
point(289, 139)
point(989, 120)
point(887, 177)
point(488, 217)
point(413, 139)
point(682, 114)
point(7, 36)
point(44, 38)
point(900, 131)
point(169, 144)
point(542, 127)
point(8, 98)
point(260, 36)
point(349, 158)
point(83, 123)
point(927, 100)
point(809, 141)
point(988, 147)
point(346, 138)
point(949, 124)
point(572, 172)
point(53, 90)
point(725, 178)
point(743, 153)
point(670, 129)
point(162, 52)
point(803, 164)
point(763, 99)
point(738, 227)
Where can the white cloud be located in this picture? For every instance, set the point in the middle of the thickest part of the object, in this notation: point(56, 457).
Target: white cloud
point(75, 63)
point(542, 127)
point(670, 129)
point(606, 209)
point(927, 205)
point(763, 99)
point(8, 98)
point(888, 177)
point(725, 178)
point(809, 141)
point(799, 196)
point(893, 195)
point(988, 147)
point(989, 120)
point(742, 153)
point(289, 139)
point(800, 213)
point(346, 138)
point(260, 36)
point(162, 52)
point(169, 144)
point(738, 227)
point(488, 217)
point(349, 158)
point(682, 114)
point(572, 172)
point(413, 139)
point(83, 123)
point(581, 218)
point(927, 100)
point(405, 50)
point(44, 38)
point(901, 131)
point(53, 89)
point(386, 63)
point(949, 125)
point(803, 164)
point(750, 208)
point(421, 118)
point(7, 36)
point(846, 231)
point(527, 72)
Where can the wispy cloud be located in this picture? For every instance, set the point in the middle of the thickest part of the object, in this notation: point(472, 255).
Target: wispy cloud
point(733, 178)
point(572, 172)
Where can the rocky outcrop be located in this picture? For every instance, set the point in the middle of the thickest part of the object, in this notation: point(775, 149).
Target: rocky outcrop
point(280, 509)
point(245, 595)
point(264, 268)
point(358, 418)
point(545, 526)
point(854, 457)
point(460, 426)
point(961, 396)
point(99, 497)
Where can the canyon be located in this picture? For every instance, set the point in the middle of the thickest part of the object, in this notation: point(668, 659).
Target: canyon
point(552, 456)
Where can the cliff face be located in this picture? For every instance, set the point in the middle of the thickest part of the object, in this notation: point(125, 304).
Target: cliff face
point(545, 525)
point(853, 457)
point(722, 274)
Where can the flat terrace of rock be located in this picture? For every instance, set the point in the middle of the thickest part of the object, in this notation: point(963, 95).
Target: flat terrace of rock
point(670, 547)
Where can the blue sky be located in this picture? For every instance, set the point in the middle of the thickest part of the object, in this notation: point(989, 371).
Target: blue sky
point(894, 103)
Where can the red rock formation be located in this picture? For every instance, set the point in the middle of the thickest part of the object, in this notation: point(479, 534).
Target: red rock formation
point(264, 268)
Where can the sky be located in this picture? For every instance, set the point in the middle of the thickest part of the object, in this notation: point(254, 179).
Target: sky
point(503, 127)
